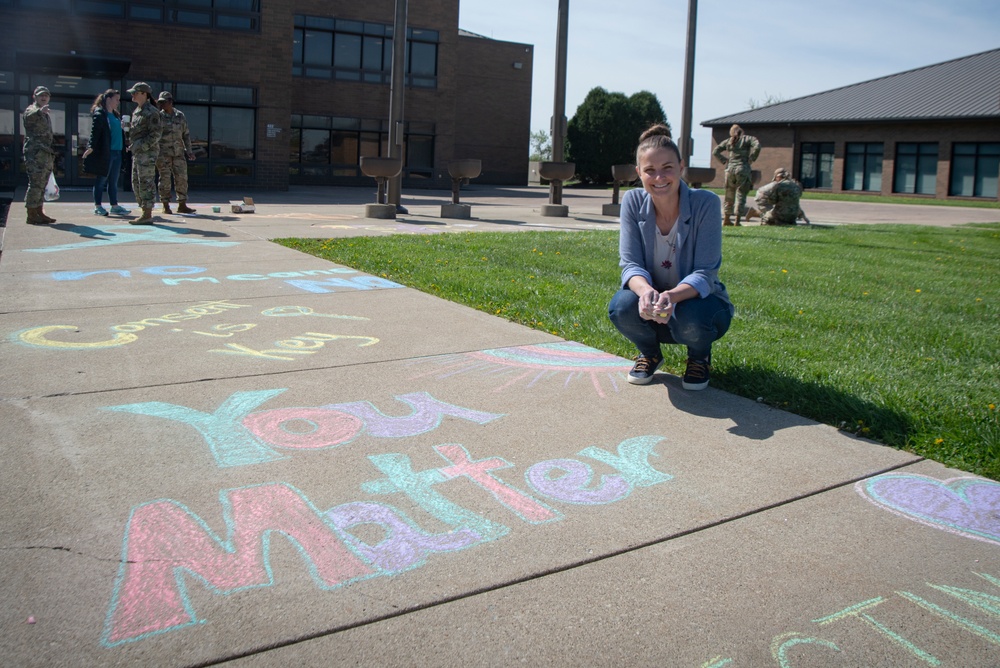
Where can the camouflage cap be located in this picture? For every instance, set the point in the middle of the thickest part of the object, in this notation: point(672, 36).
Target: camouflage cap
point(141, 87)
point(41, 90)
point(165, 95)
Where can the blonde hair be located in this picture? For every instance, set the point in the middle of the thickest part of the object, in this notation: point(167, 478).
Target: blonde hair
point(735, 131)
point(656, 136)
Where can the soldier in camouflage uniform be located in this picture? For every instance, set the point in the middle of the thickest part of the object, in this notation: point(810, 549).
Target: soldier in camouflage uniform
point(39, 155)
point(144, 144)
point(175, 151)
point(778, 201)
point(743, 150)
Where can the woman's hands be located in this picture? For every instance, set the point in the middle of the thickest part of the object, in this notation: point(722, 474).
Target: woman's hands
point(655, 306)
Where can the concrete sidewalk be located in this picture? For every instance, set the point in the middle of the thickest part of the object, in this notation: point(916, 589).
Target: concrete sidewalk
point(220, 450)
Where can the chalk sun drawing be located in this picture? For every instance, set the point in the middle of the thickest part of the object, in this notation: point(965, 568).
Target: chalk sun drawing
point(566, 360)
point(966, 506)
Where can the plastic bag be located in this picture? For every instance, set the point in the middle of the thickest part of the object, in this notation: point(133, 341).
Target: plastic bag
point(51, 189)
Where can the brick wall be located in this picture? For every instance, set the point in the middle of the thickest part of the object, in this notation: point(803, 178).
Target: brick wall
point(480, 108)
point(493, 109)
point(780, 147)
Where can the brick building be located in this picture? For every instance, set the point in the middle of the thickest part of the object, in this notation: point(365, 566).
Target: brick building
point(276, 92)
point(930, 132)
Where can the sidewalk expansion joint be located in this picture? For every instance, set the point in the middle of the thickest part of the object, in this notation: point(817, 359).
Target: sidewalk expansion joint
point(552, 571)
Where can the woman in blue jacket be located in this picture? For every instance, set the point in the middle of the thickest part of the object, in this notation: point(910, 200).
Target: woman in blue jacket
point(103, 156)
point(671, 251)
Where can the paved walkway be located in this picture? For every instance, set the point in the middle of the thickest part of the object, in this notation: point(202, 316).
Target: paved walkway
point(220, 450)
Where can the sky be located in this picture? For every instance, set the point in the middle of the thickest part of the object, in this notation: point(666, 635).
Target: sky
point(744, 51)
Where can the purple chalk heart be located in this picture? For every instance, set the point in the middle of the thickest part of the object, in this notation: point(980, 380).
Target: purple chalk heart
point(968, 507)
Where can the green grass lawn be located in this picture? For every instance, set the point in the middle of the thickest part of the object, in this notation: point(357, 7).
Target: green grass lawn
point(888, 331)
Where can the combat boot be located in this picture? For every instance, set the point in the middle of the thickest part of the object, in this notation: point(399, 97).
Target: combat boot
point(182, 207)
point(145, 219)
point(47, 219)
point(728, 222)
point(166, 206)
point(35, 216)
point(752, 212)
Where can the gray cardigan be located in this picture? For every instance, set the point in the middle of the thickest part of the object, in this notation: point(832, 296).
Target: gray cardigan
point(699, 239)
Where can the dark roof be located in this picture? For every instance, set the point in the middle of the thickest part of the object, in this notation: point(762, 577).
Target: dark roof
point(964, 88)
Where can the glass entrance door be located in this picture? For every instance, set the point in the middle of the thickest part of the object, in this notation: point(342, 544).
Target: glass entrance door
point(79, 140)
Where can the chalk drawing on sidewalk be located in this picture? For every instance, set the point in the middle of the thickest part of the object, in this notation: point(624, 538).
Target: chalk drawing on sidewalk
point(895, 643)
point(965, 506)
point(236, 436)
point(304, 280)
point(64, 337)
point(567, 361)
point(168, 548)
point(127, 234)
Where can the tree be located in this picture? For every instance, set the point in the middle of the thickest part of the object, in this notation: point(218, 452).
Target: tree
point(540, 146)
point(605, 131)
point(754, 103)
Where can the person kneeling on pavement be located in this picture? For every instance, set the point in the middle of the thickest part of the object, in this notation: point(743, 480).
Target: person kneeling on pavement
point(778, 201)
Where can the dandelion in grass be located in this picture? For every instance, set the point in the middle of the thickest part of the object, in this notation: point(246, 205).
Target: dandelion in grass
point(938, 441)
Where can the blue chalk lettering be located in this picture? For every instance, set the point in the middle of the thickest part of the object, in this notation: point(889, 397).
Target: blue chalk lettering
point(231, 443)
point(359, 283)
point(173, 271)
point(632, 460)
point(80, 275)
point(401, 478)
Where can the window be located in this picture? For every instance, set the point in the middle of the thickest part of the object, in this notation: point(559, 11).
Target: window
point(347, 52)
point(232, 133)
point(101, 7)
point(318, 48)
point(975, 169)
point(328, 48)
point(197, 118)
point(816, 165)
point(916, 168)
point(863, 166)
point(323, 147)
point(222, 121)
point(242, 15)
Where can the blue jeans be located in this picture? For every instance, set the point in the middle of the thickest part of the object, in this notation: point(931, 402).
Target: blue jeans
point(696, 324)
point(109, 180)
